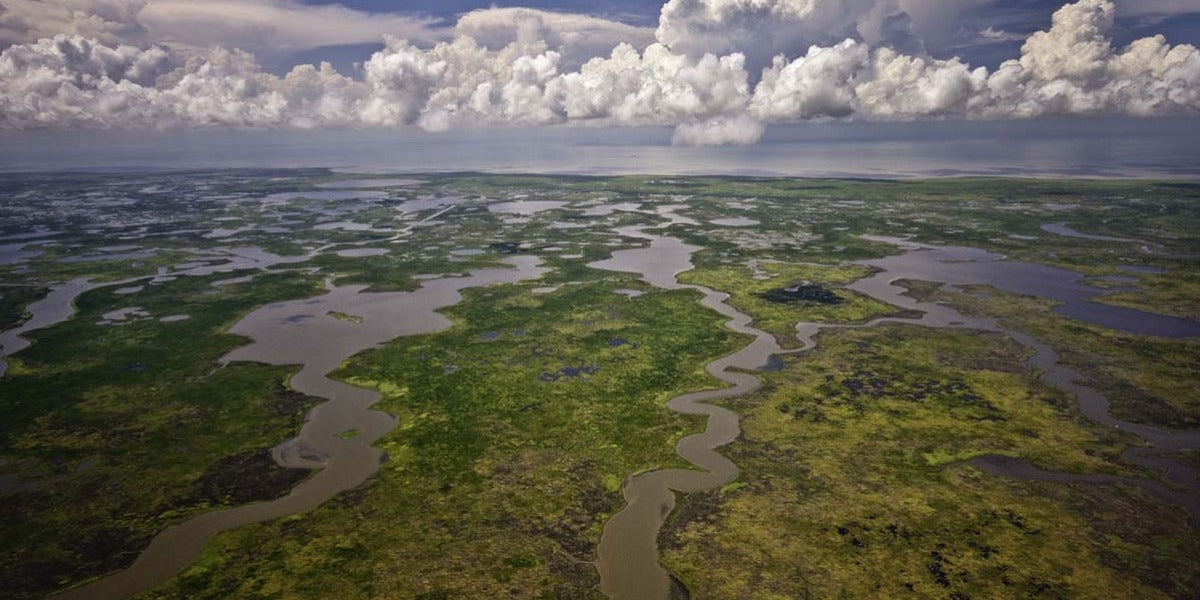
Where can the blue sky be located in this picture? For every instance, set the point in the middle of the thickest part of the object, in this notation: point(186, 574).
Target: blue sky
point(1015, 16)
point(635, 12)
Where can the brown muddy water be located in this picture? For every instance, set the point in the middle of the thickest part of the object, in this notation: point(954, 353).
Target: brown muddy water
point(303, 332)
point(59, 304)
point(627, 558)
point(628, 553)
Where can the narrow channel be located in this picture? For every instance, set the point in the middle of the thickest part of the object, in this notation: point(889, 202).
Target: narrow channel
point(943, 265)
point(628, 552)
point(627, 558)
point(338, 435)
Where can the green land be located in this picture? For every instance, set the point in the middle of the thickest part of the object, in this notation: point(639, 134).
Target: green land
point(517, 425)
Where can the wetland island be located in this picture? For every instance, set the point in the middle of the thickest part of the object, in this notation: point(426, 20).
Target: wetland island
point(303, 383)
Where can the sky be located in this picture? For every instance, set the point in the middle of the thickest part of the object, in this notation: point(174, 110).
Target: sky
point(716, 71)
point(1179, 20)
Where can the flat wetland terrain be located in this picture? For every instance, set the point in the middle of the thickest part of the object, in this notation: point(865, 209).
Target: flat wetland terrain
point(975, 388)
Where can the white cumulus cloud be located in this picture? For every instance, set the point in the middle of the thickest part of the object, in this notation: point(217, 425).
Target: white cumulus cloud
point(1071, 68)
point(762, 29)
point(526, 67)
point(818, 84)
point(656, 86)
point(577, 38)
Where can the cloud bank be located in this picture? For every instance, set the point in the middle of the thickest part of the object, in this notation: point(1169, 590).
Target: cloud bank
point(702, 71)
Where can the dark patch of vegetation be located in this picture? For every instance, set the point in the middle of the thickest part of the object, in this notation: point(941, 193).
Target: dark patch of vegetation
point(244, 478)
point(569, 372)
point(805, 291)
point(13, 301)
point(506, 247)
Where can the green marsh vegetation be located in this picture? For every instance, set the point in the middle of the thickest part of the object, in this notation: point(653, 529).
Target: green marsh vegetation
point(122, 430)
point(750, 295)
point(1147, 380)
point(517, 426)
point(853, 485)
point(14, 299)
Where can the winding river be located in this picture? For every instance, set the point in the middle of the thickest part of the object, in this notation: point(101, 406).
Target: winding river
point(628, 553)
point(942, 265)
point(338, 434)
point(283, 334)
point(627, 558)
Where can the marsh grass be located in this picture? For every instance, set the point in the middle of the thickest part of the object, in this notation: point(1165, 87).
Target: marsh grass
point(856, 451)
